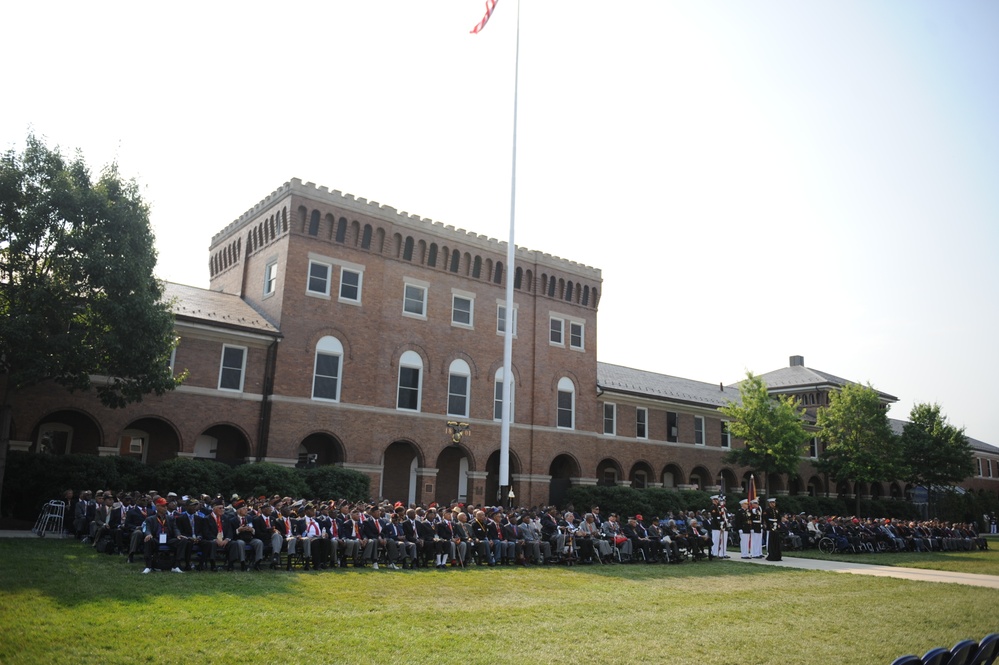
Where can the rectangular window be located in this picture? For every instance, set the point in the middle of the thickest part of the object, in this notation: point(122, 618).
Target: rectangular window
point(726, 436)
point(270, 278)
point(326, 380)
point(610, 419)
point(565, 414)
point(642, 423)
point(231, 371)
point(813, 448)
point(319, 278)
point(461, 311)
point(979, 460)
point(988, 467)
point(135, 445)
point(672, 427)
point(498, 401)
point(555, 332)
point(415, 301)
point(575, 335)
point(409, 388)
point(457, 395)
point(698, 430)
point(501, 320)
point(350, 285)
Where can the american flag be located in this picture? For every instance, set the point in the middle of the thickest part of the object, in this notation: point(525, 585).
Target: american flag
point(490, 6)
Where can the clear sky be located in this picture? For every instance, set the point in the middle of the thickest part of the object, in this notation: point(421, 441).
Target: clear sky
point(755, 179)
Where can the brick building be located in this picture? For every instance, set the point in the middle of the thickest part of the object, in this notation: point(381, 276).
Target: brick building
point(340, 331)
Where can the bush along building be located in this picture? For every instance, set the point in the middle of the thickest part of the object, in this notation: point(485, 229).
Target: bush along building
point(336, 330)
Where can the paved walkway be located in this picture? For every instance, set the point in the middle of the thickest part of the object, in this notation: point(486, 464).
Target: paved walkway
point(917, 574)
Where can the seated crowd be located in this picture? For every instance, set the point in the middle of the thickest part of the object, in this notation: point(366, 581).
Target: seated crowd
point(184, 533)
point(203, 532)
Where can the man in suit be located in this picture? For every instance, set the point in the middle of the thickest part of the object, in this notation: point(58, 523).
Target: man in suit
point(371, 530)
point(535, 548)
point(219, 534)
point(83, 515)
point(266, 527)
point(161, 530)
point(245, 536)
point(190, 527)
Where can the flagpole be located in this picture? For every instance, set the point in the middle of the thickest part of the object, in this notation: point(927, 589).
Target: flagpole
point(504, 479)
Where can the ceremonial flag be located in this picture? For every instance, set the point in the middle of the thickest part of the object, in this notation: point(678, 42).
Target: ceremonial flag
point(751, 492)
point(490, 6)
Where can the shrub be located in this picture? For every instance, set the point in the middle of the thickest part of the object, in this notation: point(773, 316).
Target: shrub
point(335, 482)
point(192, 476)
point(265, 478)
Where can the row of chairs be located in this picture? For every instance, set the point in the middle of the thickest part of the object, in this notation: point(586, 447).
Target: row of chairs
point(965, 652)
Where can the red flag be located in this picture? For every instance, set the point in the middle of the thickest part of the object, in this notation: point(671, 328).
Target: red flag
point(490, 6)
point(751, 492)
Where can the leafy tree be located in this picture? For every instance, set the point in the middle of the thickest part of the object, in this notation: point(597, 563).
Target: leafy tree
point(77, 292)
point(860, 445)
point(193, 476)
point(770, 427)
point(265, 478)
point(936, 453)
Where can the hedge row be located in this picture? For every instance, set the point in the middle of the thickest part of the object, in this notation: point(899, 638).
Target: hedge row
point(32, 479)
point(656, 502)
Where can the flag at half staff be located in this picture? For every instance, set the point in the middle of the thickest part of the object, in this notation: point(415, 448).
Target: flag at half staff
point(490, 6)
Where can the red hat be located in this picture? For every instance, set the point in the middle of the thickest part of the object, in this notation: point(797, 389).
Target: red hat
point(161, 501)
point(638, 517)
point(398, 504)
point(238, 504)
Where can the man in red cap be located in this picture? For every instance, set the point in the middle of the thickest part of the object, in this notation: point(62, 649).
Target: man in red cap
point(162, 531)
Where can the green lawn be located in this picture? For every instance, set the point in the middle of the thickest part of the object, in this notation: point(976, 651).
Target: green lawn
point(60, 602)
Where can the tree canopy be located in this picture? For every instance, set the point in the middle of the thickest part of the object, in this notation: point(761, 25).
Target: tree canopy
point(770, 426)
point(860, 445)
point(935, 452)
point(77, 293)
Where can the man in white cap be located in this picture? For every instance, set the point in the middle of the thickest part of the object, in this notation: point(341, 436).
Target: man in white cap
point(743, 525)
point(774, 534)
point(756, 520)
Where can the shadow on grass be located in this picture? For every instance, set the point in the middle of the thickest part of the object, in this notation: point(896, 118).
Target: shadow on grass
point(73, 574)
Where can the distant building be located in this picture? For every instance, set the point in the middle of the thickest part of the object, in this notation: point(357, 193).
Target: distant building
point(340, 331)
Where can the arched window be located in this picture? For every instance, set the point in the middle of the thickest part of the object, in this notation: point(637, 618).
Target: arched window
point(498, 276)
point(455, 258)
point(566, 404)
point(518, 278)
point(407, 251)
point(366, 237)
point(326, 377)
point(459, 380)
point(432, 256)
point(498, 396)
point(341, 230)
point(410, 381)
point(477, 267)
point(314, 223)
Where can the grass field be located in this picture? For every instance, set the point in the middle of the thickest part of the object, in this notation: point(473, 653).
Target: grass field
point(61, 602)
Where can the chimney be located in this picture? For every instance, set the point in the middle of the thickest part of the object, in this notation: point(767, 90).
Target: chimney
point(797, 361)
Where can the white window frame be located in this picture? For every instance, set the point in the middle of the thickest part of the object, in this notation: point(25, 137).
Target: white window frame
point(498, 396)
point(459, 369)
point(582, 335)
point(554, 330)
point(410, 360)
point(423, 288)
point(641, 423)
point(565, 385)
point(270, 278)
point(699, 427)
point(726, 435)
point(457, 295)
point(813, 447)
point(360, 282)
point(613, 418)
point(328, 346)
point(242, 369)
point(308, 279)
point(501, 318)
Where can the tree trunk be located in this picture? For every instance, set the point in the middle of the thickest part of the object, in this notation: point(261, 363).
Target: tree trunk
point(5, 417)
